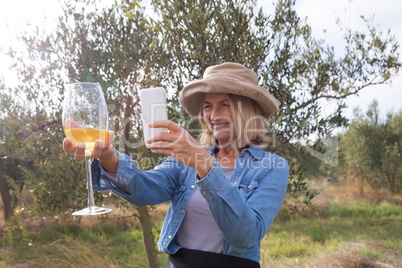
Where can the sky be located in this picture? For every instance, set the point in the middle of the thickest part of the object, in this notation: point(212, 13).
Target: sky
point(321, 14)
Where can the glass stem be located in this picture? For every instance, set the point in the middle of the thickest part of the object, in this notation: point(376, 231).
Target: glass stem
point(91, 201)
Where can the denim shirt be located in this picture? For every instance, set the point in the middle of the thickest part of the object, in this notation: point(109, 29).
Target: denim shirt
point(243, 209)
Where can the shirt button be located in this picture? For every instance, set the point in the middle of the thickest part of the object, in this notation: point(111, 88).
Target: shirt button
point(192, 186)
point(199, 185)
point(120, 178)
point(170, 237)
point(249, 186)
point(125, 180)
point(204, 192)
point(182, 211)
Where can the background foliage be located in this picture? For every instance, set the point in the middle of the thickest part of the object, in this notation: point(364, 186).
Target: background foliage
point(371, 149)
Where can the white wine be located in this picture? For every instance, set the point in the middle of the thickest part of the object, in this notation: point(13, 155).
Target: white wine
point(86, 135)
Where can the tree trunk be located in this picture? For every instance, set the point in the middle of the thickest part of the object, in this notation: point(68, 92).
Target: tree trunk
point(145, 218)
point(361, 185)
point(5, 195)
point(148, 237)
point(391, 183)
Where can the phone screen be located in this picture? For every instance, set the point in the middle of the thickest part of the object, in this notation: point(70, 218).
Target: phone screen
point(154, 108)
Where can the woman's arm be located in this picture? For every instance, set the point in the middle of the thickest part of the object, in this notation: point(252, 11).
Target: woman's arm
point(142, 187)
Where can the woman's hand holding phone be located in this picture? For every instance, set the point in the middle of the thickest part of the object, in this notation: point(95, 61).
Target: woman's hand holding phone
point(180, 145)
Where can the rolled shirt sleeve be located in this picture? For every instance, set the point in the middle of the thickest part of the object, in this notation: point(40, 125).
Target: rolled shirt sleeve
point(140, 187)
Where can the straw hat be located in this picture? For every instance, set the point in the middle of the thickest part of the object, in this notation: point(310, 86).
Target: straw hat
point(231, 78)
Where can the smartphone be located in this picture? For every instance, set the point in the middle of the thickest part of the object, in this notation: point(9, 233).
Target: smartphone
point(154, 108)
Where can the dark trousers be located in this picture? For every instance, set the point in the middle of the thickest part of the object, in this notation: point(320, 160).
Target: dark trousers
point(188, 258)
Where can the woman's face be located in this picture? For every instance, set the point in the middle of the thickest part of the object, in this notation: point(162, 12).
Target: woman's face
point(218, 115)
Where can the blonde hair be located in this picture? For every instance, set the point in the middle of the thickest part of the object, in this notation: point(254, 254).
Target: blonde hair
point(248, 126)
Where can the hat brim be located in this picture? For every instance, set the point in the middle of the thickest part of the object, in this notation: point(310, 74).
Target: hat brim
point(191, 95)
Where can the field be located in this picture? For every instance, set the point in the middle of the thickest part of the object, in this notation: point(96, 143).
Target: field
point(348, 228)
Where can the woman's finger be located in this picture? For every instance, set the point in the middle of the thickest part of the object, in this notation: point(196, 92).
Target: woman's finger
point(102, 147)
point(160, 144)
point(166, 152)
point(97, 151)
point(80, 151)
point(163, 136)
point(109, 140)
point(172, 126)
point(68, 146)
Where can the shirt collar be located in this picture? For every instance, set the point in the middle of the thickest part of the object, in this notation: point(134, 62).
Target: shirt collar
point(254, 150)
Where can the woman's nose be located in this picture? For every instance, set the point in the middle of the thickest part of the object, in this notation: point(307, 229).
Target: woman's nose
point(214, 113)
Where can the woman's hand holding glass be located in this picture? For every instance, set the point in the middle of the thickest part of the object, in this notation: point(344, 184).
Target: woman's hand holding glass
point(104, 152)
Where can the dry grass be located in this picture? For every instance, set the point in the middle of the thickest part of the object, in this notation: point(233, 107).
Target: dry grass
point(65, 252)
point(72, 253)
point(321, 238)
point(353, 255)
point(343, 190)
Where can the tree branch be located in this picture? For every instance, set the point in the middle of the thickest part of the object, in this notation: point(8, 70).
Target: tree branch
point(38, 129)
point(337, 97)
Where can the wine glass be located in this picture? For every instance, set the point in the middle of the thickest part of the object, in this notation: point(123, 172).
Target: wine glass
point(85, 119)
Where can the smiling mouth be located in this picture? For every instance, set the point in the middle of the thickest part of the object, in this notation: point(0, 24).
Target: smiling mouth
point(220, 126)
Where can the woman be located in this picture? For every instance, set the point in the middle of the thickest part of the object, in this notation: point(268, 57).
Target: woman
point(224, 191)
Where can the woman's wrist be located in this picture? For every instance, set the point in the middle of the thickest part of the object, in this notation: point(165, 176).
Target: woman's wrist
point(203, 167)
point(109, 160)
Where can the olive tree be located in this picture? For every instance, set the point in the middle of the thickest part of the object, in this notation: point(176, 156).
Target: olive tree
point(296, 68)
point(372, 149)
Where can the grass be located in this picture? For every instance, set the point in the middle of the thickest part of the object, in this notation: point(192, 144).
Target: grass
point(348, 229)
point(351, 231)
point(75, 245)
point(300, 240)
